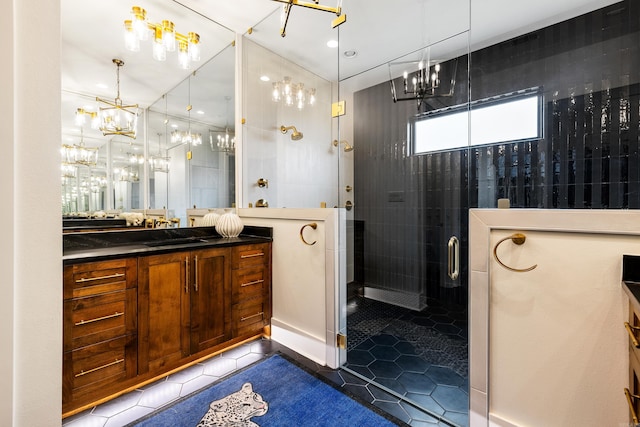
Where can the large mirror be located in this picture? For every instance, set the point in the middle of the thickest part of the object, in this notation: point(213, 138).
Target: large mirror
point(183, 152)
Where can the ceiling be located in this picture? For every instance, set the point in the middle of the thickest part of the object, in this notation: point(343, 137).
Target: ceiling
point(378, 31)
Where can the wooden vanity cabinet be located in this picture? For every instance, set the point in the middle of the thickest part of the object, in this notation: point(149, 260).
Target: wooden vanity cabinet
point(129, 321)
point(184, 305)
point(100, 329)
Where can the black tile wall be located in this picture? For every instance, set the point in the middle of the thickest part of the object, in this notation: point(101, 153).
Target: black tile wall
point(588, 70)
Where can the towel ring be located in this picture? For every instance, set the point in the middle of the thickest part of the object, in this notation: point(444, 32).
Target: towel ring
point(518, 239)
point(312, 225)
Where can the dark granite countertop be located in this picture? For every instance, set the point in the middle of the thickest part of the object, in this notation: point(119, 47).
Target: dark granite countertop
point(103, 245)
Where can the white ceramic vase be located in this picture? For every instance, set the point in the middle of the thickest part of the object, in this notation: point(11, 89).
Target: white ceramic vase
point(210, 219)
point(229, 224)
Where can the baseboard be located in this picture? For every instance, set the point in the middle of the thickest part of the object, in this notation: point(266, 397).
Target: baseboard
point(299, 341)
point(403, 299)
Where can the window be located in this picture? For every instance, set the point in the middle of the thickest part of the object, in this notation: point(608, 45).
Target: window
point(507, 118)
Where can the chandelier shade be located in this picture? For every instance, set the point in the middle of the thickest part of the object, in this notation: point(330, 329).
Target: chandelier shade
point(117, 118)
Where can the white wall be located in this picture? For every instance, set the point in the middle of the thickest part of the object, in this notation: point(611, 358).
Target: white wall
point(31, 245)
point(548, 346)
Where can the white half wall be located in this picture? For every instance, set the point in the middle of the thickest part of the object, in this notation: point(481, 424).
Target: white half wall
point(548, 346)
point(308, 281)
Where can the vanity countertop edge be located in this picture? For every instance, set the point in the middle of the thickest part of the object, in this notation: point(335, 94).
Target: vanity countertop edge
point(104, 245)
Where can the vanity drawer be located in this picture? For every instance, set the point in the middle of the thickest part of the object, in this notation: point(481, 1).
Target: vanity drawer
point(92, 278)
point(249, 317)
point(97, 366)
point(250, 255)
point(250, 283)
point(97, 318)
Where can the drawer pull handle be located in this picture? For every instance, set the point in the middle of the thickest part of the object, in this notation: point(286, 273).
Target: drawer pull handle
point(255, 282)
point(252, 255)
point(91, 279)
point(97, 319)
point(630, 329)
point(242, 319)
point(81, 373)
point(632, 408)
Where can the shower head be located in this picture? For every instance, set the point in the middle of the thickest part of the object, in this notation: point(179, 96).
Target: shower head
point(347, 147)
point(295, 135)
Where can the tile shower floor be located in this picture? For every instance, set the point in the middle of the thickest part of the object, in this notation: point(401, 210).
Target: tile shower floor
point(140, 402)
point(419, 356)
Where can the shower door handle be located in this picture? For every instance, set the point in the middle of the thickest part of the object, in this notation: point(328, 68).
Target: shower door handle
point(453, 256)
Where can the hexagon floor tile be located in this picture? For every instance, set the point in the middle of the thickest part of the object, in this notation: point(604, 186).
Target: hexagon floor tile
point(420, 357)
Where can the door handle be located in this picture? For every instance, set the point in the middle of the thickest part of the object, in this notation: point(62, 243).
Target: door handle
point(453, 252)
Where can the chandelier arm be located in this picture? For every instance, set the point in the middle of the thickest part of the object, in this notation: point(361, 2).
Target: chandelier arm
point(314, 5)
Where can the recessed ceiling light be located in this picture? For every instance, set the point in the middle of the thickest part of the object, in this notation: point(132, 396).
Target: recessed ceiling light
point(174, 125)
point(350, 53)
point(265, 78)
point(200, 112)
point(332, 43)
point(102, 85)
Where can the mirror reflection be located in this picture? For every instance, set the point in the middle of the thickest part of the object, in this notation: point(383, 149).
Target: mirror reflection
point(183, 155)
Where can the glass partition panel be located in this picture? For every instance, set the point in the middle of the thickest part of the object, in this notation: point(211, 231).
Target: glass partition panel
point(406, 233)
point(287, 101)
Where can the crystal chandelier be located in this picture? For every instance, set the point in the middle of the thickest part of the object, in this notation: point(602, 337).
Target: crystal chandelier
point(290, 93)
point(165, 38)
point(78, 154)
point(116, 118)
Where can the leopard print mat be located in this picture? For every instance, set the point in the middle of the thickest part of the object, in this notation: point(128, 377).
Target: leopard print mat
point(236, 409)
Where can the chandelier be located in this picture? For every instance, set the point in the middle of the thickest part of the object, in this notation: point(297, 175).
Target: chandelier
point(422, 83)
point(135, 159)
point(290, 93)
point(186, 137)
point(165, 38)
point(68, 171)
point(126, 174)
point(160, 164)
point(78, 154)
point(116, 118)
point(286, 10)
point(226, 142)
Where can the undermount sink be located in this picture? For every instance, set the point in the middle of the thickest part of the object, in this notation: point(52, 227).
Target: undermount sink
point(171, 242)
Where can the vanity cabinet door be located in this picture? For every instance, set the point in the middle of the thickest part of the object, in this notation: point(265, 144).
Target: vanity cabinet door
point(163, 310)
point(210, 298)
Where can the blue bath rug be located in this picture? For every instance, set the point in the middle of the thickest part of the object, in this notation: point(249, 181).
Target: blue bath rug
point(272, 392)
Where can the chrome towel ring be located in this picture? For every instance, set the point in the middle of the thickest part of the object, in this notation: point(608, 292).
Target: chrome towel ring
point(518, 239)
